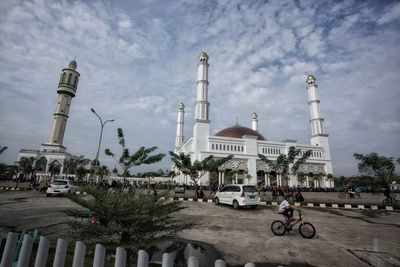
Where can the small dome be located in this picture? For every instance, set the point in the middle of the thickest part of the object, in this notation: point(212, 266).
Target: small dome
point(203, 56)
point(254, 115)
point(72, 64)
point(238, 131)
point(181, 106)
point(311, 77)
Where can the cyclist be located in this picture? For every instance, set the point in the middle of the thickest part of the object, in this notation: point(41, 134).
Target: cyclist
point(286, 209)
point(386, 193)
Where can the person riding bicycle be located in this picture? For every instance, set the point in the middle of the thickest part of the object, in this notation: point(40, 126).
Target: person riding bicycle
point(386, 193)
point(286, 209)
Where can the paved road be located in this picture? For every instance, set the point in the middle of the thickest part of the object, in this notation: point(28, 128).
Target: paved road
point(344, 237)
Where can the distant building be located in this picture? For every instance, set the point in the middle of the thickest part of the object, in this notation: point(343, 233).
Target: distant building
point(246, 143)
point(53, 154)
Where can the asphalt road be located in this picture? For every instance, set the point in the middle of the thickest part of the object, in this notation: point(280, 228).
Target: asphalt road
point(344, 237)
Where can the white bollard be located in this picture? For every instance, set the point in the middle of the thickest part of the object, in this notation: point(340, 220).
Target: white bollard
point(219, 263)
point(79, 254)
point(61, 252)
point(361, 207)
point(249, 265)
point(25, 252)
point(167, 260)
point(99, 256)
point(347, 206)
point(321, 205)
point(120, 257)
point(8, 252)
point(310, 205)
point(42, 253)
point(374, 207)
point(336, 206)
point(193, 262)
point(143, 259)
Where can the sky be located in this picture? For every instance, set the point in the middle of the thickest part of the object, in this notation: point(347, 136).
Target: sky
point(138, 60)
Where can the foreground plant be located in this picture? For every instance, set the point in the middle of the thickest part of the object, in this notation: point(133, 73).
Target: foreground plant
point(132, 220)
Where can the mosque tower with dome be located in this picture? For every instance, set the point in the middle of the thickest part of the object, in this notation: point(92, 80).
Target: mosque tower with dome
point(52, 155)
point(246, 143)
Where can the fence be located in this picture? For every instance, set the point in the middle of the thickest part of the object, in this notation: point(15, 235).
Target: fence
point(25, 252)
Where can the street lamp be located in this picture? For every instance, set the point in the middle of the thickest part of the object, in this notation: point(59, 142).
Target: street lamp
point(101, 135)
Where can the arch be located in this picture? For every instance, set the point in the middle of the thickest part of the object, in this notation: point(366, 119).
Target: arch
point(69, 78)
point(41, 164)
point(62, 78)
point(76, 81)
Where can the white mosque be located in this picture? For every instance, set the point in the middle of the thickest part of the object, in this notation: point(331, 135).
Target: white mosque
point(246, 143)
point(53, 153)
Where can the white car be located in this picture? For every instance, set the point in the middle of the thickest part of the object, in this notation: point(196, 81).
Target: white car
point(238, 195)
point(61, 187)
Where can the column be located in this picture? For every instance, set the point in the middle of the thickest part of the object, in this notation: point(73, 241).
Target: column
point(266, 179)
point(236, 177)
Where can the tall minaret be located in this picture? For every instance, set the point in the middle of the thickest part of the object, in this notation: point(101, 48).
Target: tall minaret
point(201, 129)
point(179, 127)
point(318, 135)
point(254, 122)
point(66, 91)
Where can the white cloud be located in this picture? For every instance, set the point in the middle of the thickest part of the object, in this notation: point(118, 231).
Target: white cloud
point(138, 61)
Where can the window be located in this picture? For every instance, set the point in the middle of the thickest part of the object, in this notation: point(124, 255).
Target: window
point(69, 78)
point(62, 78)
point(75, 81)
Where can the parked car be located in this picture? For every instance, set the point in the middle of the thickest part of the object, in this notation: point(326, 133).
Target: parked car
point(238, 195)
point(61, 187)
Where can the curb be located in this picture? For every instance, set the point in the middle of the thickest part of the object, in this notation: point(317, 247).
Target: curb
point(263, 203)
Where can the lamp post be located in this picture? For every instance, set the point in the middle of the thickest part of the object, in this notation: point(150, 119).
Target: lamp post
point(101, 135)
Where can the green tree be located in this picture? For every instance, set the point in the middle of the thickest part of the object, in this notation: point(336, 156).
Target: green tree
point(71, 165)
point(133, 220)
point(141, 156)
point(197, 169)
point(54, 169)
point(381, 167)
point(287, 164)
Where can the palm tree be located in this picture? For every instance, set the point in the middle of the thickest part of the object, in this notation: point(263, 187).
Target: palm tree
point(197, 169)
point(72, 164)
point(287, 164)
point(141, 156)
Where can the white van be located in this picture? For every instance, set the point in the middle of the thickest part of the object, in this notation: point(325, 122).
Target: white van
point(238, 195)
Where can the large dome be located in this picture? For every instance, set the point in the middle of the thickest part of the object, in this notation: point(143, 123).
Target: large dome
point(238, 131)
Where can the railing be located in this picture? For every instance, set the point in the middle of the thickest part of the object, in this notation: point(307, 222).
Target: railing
point(25, 252)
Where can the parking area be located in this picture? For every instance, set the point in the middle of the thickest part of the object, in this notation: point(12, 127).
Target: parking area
point(344, 237)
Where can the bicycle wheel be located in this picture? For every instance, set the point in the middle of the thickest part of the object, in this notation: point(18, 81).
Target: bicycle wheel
point(278, 227)
point(307, 230)
point(385, 202)
point(396, 203)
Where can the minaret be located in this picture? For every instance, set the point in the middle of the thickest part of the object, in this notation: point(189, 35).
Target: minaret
point(66, 91)
point(254, 122)
point(201, 129)
point(179, 127)
point(318, 135)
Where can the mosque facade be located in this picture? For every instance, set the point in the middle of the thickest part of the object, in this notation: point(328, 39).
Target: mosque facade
point(246, 143)
point(53, 153)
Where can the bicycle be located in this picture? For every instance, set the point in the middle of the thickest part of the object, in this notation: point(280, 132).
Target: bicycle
point(391, 201)
point(306, 229)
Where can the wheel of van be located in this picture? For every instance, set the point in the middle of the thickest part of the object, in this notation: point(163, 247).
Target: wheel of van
point(216, 200)
point(235, 204)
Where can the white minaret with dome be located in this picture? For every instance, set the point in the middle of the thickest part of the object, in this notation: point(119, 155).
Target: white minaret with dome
point(179, 127)
point(66, 91)
point(201, 129)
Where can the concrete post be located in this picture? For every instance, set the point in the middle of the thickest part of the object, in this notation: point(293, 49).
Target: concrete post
point(26, 251)
point(99, 256)
point(167, 260)
point(79, 255)
point(143, 259)
point(219, 263)
point(42, 253)
point(120, 257)
point(61, 252)
point(193, 262)
point(9, 249)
